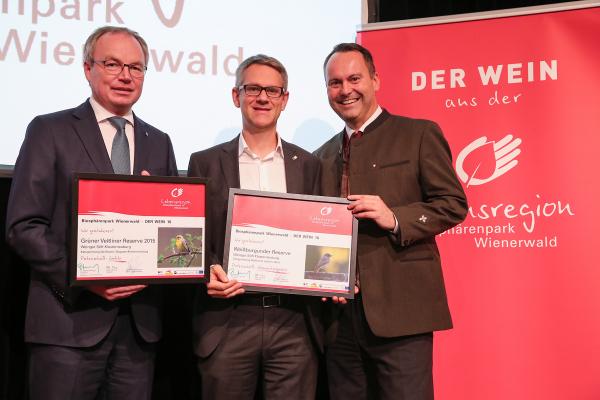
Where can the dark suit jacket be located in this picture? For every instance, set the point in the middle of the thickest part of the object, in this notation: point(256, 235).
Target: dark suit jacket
point(406, 162)
point(221, 165)
point(38, 223)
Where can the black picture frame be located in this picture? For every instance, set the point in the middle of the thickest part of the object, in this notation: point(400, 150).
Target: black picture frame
point(310, 291)
point(75, 280)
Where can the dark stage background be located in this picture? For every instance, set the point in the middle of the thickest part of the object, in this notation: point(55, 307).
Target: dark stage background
point(175, 372)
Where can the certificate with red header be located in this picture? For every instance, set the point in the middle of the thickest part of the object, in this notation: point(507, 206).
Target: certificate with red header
point(290, 243)
point(137, 229)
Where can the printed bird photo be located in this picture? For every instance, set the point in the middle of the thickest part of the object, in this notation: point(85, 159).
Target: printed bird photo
point(180, 248)
point(327, 263)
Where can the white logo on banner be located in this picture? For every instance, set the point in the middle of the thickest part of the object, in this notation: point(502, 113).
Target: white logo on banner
point(505, 152)
point(176, 192)
point(325, 211)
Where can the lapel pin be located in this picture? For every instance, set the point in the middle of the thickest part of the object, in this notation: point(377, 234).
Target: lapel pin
point(294, 157)
point(423, 219)
point(146, 134)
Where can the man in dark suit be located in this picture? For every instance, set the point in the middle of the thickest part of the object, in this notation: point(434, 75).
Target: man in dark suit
point(397, 172)
point(99, 341)
point(241, 339)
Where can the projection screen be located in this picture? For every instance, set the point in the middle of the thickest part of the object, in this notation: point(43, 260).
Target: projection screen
point(195, 47)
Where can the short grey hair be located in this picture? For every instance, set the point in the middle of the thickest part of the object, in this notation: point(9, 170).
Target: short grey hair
point(90, 43)
point(261, 59)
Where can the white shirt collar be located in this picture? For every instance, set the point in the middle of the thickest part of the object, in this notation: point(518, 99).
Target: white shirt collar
point(102, 114)
point(373, 117)
point(243, 146)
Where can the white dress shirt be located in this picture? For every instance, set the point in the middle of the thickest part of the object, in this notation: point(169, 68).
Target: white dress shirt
point(266, 174)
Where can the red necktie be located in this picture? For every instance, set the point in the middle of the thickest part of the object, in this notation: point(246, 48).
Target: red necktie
point(345, 190)
point(345, 172)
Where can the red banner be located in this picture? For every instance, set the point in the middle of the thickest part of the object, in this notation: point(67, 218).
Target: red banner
point(293, 215)
point(518, 99)
point(141, 198)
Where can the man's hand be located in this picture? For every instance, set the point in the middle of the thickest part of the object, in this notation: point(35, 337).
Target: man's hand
point(220, 286)
point(364, 206)
point(340, 300)
point(112, 293)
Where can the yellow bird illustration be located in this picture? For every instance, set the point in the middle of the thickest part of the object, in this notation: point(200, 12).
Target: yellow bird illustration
point(181, 245)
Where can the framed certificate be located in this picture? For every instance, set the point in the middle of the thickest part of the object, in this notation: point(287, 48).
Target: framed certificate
point(137, 229)
point(289, 243)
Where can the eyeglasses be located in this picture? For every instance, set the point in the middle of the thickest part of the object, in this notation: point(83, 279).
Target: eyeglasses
point(256, 90)
point(115, 68)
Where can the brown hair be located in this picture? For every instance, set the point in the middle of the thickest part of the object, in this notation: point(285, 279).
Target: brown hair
point(348, 47)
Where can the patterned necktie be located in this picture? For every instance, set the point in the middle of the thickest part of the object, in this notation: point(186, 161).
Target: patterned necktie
point(345, 179)
point(119, 155)
point(346, 157)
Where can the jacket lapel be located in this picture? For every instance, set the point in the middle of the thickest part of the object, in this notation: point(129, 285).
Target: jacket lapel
point(293, 169)
point(332, 165)
point(230, 165)
point(140, 136)
point(87, 129)
point(378, 121)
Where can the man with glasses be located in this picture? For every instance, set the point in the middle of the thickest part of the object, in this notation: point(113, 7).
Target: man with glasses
point(96, 342)
point(246, 338)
